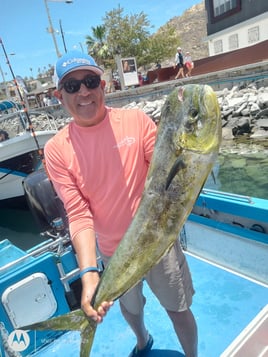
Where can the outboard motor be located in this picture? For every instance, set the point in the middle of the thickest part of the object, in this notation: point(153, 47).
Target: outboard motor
point(50, 215)
point(44, 204)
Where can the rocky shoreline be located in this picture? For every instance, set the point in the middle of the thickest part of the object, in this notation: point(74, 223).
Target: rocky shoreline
point(244, 113)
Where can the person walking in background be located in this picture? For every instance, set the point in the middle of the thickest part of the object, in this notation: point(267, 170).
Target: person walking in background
point(98, 165)
point(188, 64)
point(179, 63)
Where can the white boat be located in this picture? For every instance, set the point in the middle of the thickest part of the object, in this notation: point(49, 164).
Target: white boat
point(225, 240)
point(21, 154)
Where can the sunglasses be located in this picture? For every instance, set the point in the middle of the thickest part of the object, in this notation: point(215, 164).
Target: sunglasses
point(73, 85)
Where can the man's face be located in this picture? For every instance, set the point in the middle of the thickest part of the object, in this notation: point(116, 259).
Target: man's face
point(86, 105)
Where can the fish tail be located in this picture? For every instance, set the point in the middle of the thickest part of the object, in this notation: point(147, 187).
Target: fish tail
point(87, 337)
point(71, 321)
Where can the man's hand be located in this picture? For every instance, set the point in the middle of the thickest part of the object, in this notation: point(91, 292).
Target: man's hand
point(90, 282)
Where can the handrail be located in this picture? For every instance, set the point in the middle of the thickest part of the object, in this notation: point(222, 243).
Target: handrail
point(47, 247)
point(240, 198)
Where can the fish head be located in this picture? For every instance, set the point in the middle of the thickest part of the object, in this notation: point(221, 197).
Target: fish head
point(195, 111)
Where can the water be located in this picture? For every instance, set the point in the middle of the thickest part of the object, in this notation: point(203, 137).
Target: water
point(241, 168)
point(19, 227)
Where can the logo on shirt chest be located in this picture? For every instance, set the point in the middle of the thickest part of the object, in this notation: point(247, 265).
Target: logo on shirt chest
point(127, 141)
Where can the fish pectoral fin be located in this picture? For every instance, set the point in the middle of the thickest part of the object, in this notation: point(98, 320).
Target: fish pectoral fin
point(177, 166)
point(87, 337)
point(71, 321)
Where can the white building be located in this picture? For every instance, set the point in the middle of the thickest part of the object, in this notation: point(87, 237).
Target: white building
point(235, 24)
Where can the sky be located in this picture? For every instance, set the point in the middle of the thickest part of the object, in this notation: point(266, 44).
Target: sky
point(24, 23)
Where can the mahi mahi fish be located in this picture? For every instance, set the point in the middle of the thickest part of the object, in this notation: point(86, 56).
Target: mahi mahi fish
point(186, 148)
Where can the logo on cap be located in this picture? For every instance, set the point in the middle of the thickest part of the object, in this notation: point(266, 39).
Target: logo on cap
point(78, 61)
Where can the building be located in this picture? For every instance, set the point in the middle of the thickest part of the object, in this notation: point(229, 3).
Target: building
point(235, 24)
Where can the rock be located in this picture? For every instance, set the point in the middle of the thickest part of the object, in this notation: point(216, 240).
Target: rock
point(262, 113)
point(241, 162)
point(244, 112)
point(226, 112)
point(240, 109)
point(262, 123)
point(259, 134)
point(254, 108)
point(249, 102)
point(227, 133)
point(262, 99)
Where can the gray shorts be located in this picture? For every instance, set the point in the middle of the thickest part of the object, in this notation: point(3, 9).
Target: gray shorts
point(170, 280)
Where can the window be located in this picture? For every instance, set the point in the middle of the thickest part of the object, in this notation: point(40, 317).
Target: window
point(233, 42)
point(218, 46)
point(253, 34)
point(222, 6)
point(219, 9)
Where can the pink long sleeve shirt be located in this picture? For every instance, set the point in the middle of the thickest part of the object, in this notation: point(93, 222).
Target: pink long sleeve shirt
point(99, 172)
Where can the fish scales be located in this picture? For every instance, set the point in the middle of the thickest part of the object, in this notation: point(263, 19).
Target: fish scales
point(162, 212)
point(186, 148)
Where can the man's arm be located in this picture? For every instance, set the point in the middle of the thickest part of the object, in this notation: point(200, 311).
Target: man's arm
point(85, 246)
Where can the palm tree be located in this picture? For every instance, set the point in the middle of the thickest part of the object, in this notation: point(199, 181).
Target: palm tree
point(98, 47)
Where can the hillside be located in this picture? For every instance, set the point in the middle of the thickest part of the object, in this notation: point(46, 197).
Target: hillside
point(191, 28)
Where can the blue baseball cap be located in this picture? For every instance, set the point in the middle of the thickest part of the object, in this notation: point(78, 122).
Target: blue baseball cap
point(72, 61)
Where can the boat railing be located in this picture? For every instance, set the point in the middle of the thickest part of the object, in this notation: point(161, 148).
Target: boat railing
point(56, 246)
point(16, 123)
point(228, 195)
point(43, 120)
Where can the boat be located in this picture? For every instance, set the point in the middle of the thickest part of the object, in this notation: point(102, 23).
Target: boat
point(225, 240)
point(20, 152)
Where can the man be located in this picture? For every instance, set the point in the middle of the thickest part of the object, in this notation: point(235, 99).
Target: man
point(98, 164)
point(179, 63)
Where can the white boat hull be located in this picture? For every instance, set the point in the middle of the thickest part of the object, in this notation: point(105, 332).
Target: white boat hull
point(253, 339)
point(11, 153)
point(234, 232)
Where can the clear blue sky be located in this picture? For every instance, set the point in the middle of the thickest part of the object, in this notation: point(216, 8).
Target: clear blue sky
point(24, 23)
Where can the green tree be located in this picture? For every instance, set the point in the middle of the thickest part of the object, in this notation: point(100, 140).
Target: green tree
point(97, 46)
point(129, 36)
point(161, 45)
point(126, 35)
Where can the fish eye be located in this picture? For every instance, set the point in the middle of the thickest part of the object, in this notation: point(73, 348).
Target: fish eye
point(193, 112)
point(192, 120)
